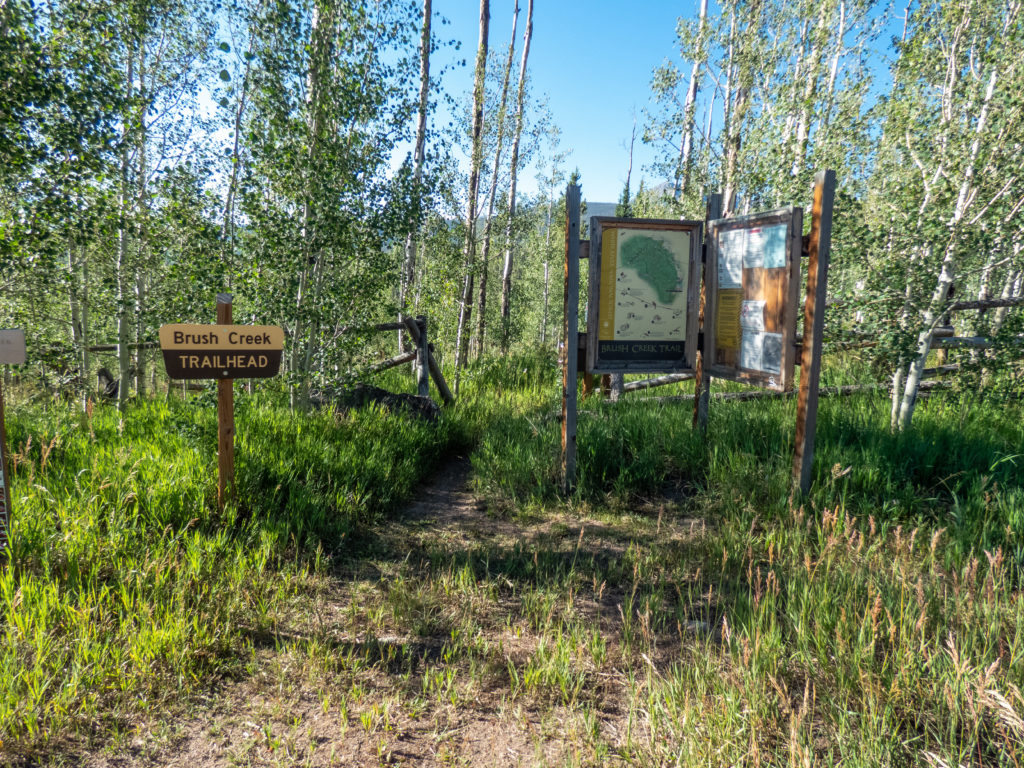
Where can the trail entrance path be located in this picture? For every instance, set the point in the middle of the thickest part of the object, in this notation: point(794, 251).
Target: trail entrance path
point(451, 637)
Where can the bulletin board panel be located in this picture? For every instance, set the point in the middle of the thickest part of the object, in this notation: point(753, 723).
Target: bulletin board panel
point(753, 277)
point(642, 311)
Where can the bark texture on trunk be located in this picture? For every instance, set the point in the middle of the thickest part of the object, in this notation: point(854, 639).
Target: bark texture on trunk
point(409, 261)
point(506, 270)
point(469, 261)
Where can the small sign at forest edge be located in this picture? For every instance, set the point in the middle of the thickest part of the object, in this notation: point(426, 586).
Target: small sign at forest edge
point(12, 347)
point(221, 351)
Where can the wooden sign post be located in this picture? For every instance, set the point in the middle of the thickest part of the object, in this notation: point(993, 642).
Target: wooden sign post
point(818, 247)
point(225, 419)
point(702, 378)
point(223, 352)
point(12, 352)
point(571, 299)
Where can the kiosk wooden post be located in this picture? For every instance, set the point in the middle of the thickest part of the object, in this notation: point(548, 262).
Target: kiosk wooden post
point(225, 418)
point(702, 379)
point(570, 305)
point(819, 244)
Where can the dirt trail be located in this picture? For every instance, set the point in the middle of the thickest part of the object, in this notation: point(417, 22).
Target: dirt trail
point(403, 656)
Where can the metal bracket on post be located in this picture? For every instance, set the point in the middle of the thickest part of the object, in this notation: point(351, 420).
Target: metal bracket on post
point(571, 297)
point(819, 243)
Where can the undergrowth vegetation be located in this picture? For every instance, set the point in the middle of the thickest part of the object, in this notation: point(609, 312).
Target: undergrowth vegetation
point(678, 609)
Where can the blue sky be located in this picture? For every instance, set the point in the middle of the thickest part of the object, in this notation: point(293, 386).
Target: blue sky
point(594, 59)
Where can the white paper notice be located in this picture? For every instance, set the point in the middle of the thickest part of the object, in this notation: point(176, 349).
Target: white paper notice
point(771, 355)
point(752, 315)
point(751, 349)
point(731, 248)
point(753, 254)
point(773, 246)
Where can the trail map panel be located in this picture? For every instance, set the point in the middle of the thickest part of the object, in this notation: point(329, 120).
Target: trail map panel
point(642, 307)
point(221, 351)
point(753, 275)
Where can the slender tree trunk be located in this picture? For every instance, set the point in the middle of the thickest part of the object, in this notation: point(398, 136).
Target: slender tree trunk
point(409, 262)
point(735, 105)
point(1011, 288)
point(465, 311)
point(629, 171)
point(481, 305)
point(547, 253)
point(807, 99)
point(319, 70)
point(949, 265)
point(506, 271)
point(122, 266)
point(73, 301)
point(690, 106)
point(227, 231)
point(75, 305)
point(833, 74)
point(86, 374)
point(142, 207)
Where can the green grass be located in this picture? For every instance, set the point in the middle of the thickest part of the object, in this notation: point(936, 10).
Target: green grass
point(675, 610)
point(958, 468)
point(129, 587)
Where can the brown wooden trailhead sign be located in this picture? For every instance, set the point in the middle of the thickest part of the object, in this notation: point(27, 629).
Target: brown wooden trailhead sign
point(224, 352)
point(221, 351)
point(12, 352)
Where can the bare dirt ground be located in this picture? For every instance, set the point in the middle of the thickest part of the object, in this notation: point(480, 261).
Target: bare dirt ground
point(434, 650)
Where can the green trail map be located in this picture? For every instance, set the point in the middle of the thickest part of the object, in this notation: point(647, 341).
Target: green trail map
point(654, 264)
point(652, 267)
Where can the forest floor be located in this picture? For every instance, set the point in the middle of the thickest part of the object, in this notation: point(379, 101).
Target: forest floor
point(425, 651)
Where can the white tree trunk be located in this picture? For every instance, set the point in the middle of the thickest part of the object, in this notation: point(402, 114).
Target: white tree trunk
point(409, 262)
point(469, 261)
point(964, 201)
point(690, 107)
point(123, 268)
point(481, 304)
point(506, 271)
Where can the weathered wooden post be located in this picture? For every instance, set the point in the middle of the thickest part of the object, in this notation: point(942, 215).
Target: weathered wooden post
point(225, 418)
point(818, 246)
point(422, 354)
point(12, 352)
point(435, 369)
point(5, 491)
point(618, 381)
point(570, 305)
point(702, 379)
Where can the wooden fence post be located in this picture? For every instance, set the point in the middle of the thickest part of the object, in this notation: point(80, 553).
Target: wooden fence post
point(570, 305)
point(422, 352)
point(702, 378)
point(819, 243)
point(225, 419)
point(618, 380)
point(435, 369)
point(5, 490)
